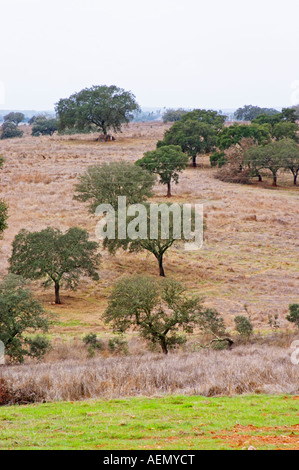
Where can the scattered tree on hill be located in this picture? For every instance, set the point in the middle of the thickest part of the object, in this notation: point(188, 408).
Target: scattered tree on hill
point(233, 135)
point(157, 237)
point(160, 311)
point(20, 313)
point(293, 316)
point(59, 258)
point(103, 184)
point(249, 112)
point(286, 115)
point(167, 162)
point(106, 107)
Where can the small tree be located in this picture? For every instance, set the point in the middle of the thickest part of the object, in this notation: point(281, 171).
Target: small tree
point(59, 258)
point(104, 106)
point(20, 314)
point(293, 316)
point(173, 115)
point(243, 326)
point(159, 311)
point(267, 157)
point(167, 162)
point(103, 184)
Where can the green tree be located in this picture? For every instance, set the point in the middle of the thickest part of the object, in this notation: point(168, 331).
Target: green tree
point(196, 132)
point(285, 130)
point(20, 315)
point(103, 184)
point(160, 311)
point(59, 258)
point(15, 118)
point(106, 107)
point(167, 162)
point(10, 130)
point(44, 126)
point(293, 316)
point(168, 231)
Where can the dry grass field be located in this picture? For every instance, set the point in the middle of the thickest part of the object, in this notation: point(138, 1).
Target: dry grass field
point(251, 248)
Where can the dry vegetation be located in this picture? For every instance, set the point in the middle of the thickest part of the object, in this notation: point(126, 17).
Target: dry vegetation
point(249, 260)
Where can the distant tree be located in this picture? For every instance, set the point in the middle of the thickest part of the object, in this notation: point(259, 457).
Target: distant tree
point(106, 107)
point(286, 115)
point(243, 326)
point(59, 258)
point(196, 132)
point(15, 118)
point(293, 316)
point(44, 126)
point(249, 112)
point(157, 310)
point(173, 115)
point(10, 130)
point(103, 184)
point(167, 162)
point(20, 314)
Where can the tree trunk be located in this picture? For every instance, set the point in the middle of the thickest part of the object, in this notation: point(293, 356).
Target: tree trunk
point(274, 181)
point(260, 178)
point(164, 345)
point(161, 269)
point(295, 179)
point(57, 296)
point(194, 161)
point(168, 190)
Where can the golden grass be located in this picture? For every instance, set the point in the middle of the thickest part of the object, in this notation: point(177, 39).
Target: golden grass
point(250, 254)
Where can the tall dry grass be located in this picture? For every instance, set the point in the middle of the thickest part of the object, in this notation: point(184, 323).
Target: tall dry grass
point(243, 370)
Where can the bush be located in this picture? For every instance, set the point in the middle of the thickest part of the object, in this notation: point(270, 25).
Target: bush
point(293, 316)
point(118, 345)
point(93, 343)
point(243, 326)
point(10, 130)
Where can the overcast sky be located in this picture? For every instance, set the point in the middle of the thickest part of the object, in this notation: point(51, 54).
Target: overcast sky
point(174, 53)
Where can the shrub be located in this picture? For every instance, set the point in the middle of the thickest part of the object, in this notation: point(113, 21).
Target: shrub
point(293, 316)
point(10, 130)
point(243, 326)
point(93, 343)
point(118, 345)
point(38, 346)
point(218, 159)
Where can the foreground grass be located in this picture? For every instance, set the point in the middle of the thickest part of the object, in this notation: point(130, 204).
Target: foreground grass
point(173, 422)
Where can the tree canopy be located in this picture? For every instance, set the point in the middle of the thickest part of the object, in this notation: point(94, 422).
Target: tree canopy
point(10, 130)
point(173, 115)
point(167, 162)
point(103, 184)
point(56, 257)
point(42, 125)
point(16, 118)
point(106, 107)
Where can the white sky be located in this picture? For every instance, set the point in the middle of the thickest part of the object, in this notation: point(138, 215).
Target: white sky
point(173, 53)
